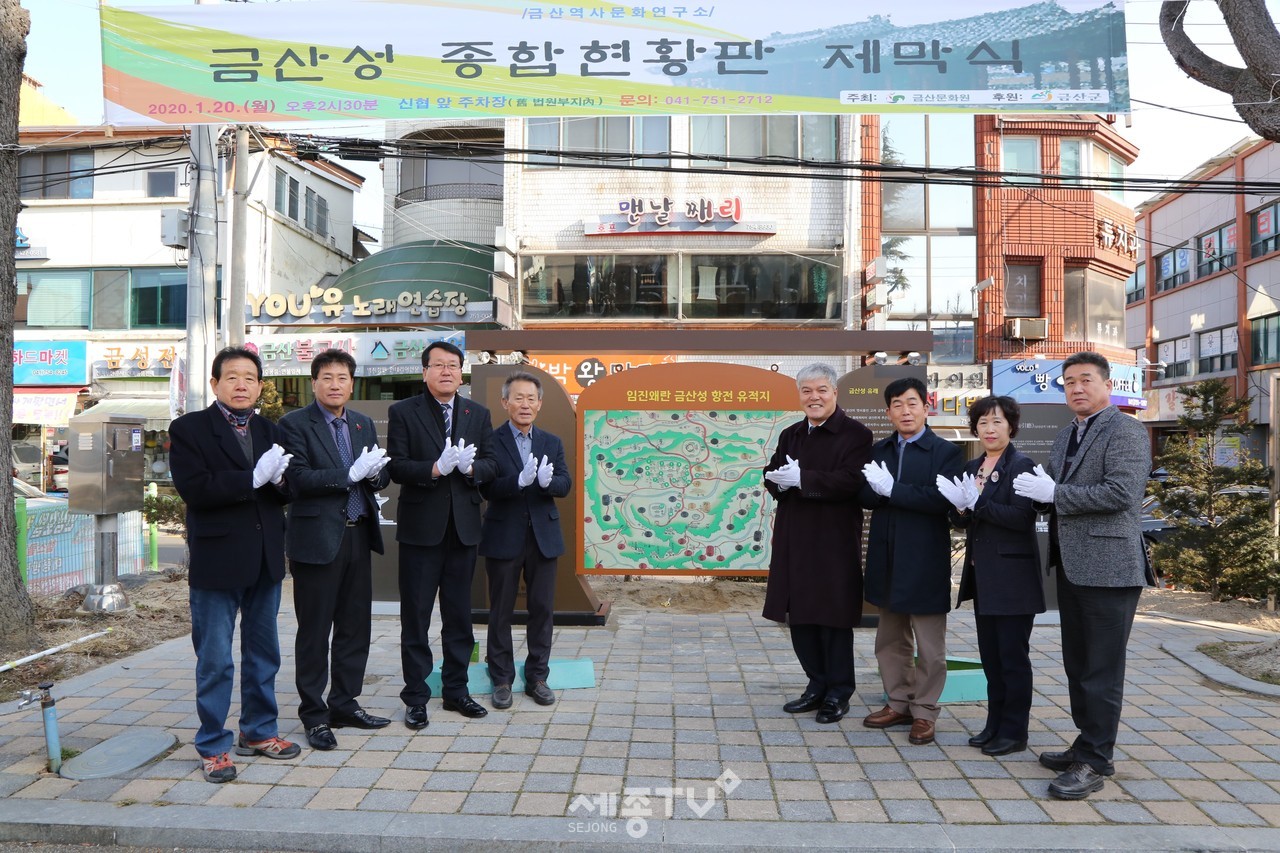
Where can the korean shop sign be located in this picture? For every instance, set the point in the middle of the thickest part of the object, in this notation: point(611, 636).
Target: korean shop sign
point(376, 354)
point(330, 59)
point(446, 305)
point(50, 363)
point(648, 215)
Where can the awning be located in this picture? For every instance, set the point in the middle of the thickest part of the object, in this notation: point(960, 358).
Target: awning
point(51, 405)
point(154, 409)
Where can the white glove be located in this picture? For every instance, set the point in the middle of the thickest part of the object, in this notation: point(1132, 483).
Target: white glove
point(264, 471)
point(1037, 485)
point(282, 465)
point(466, 455)
point(878, 478)
point(953, 492)
point(545, 470)
point(448, 460)
point(970, 491)
point(529, 473)
point(370, 462)
point(786, 477)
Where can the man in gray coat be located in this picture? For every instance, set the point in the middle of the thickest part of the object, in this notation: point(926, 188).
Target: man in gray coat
point(1100, 462)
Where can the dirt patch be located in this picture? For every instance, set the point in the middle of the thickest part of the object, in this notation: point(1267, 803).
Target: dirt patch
point(160, 612)
point(1258, 660)
point(681, 595)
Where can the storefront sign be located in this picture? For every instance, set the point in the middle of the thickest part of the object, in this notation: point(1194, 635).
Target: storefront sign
point(50, 363)
point(331, 307)
point(376, 353)
point(578, 371)
point(1040, 381)
point(126, 359)
point(24, 251)
point(1119, 238)
point(663, 215)
point(424, 59)
point(953, 388)
point(50, 409)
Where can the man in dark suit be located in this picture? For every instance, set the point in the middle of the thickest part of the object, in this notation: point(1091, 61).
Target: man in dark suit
point(333, 524)
point(909, 561)
point(229, 468)
point(1101, 461)
point(440, 445)
point(522, 536)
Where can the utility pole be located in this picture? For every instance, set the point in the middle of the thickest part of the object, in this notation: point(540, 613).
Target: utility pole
point(202, 265)
point(236, 284)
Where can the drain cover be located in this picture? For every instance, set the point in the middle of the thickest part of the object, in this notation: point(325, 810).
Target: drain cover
point(117, 755)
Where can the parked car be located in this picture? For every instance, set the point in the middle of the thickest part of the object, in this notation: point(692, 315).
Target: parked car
point(61, 472)
point(27, 463)
point(1156, 524)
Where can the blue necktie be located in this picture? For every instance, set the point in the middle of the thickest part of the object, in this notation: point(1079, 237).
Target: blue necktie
point(354, 503)
point(448, 420)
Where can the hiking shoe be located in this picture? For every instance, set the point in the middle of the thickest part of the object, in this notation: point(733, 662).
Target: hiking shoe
point(272, 747)
point(217, 768)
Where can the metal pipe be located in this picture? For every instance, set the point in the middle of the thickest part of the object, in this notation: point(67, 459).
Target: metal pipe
point(49, 711)
point(20, 661)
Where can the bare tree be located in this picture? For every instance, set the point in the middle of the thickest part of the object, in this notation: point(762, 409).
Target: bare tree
point(17, 619)
point(1254, 89)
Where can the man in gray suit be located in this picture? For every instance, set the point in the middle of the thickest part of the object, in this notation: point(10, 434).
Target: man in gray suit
point(1100, 461)
point(333, 525)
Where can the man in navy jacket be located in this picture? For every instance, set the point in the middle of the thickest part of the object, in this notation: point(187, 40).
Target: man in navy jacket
point(521, 535)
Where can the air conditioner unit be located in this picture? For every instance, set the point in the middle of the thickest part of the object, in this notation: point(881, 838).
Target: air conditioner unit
point(1026, 328)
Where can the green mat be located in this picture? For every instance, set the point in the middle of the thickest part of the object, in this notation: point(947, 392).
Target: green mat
point(565, 675)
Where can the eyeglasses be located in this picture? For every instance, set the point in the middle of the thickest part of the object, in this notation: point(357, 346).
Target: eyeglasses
point(443, 367)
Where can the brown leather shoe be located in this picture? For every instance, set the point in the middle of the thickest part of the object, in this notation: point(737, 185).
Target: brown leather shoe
point(886, 717)
point(921, 732)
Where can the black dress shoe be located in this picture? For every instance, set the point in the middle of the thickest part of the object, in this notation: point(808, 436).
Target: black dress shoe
point(806, 703)
point(466, 706)
point(539, 692)
point(1078, 782)
point(1004, 746)
point(321, 737)
point(982, 738)
point(832, 711)
point(359, 719)
point(501, 696)
point(415, 716)
point(1061, 762)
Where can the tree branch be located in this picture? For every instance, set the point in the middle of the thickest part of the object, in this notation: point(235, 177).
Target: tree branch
point(1197, 64)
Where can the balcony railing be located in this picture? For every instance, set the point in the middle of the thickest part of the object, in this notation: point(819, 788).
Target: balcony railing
point(441, 192)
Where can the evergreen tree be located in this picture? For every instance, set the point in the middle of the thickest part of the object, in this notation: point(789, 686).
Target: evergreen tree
point(1222, 540)
point(270, 406)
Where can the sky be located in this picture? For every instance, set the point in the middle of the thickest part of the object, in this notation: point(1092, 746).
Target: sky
point(64, 54)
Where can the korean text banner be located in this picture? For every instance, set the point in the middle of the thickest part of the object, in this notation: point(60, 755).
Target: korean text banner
point(419, 59)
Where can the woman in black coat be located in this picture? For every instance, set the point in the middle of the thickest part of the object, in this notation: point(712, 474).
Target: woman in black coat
point(1001, 570)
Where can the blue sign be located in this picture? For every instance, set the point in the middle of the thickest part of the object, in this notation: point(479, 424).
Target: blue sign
point(50, 363)
point(1039, 380)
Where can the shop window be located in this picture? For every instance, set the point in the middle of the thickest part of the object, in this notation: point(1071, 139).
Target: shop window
point(286, 195)
point(1135, 286)
point(1216, 250)
point(1022, 290)
point(1218, 350)
point(626, 286)
point(111, 299)
point(623, 135)
point(1264, 340)
point(1264, 235)
point(767, 287)
point(1093, 307)
point(56, 174)
point(930, 274)
point(1021, 154)
point(1172, 269)
point(751, 137)
point(952, 339)
point(159, 299)
point(58, 299)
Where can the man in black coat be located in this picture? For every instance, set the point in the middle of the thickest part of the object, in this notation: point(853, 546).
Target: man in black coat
point(815, 570)
point(440, 444)
point(909, 561)
point(333, 524)
point(228, 466)
point(522, 536)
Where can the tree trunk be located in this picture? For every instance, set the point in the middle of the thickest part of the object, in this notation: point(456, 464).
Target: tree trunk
point(17, 618)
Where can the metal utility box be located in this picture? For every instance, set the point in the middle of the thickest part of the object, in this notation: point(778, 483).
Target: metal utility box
point(106, 462)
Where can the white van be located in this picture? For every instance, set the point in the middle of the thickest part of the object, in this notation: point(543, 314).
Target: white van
point(28, 464)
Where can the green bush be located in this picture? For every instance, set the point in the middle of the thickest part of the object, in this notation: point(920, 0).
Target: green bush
point(165, 510)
